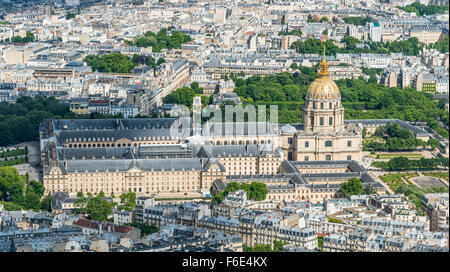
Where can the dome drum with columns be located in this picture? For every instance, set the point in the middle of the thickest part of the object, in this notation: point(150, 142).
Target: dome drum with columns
point(323, 111)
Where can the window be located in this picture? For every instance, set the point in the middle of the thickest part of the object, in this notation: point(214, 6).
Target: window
point(349, 143)
point(331, 105)
point(321, 121)
point(349, 158)
point(290, 140)
point(328, 144)
point(328, 157)
point(306, 144)
point(306, 158)
point(312, 121)
point(330, 121)
point(321, 106)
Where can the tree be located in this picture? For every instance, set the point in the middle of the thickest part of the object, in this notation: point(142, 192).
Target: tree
point(11, 185)
point(182, 96)
point(145, 228)
point(46, 203)
point(353, 186)
point(111, 63)
point(294, 66)
point(359, 21)
point(70, 16)
point(258, 191)
point(161, 40)
point(433, 143)
point(320, 241)
point(421, 9)
point(19, 190)
point(369, 190)
point(257, 248)
point(97, 208)
point(29, 37)
point(196, 87)
point(398, 163)
point(278, 245)
point(129, 200)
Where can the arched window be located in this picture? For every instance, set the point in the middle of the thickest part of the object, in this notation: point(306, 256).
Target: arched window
point(218, 143)
point(240, 142)
point(331, 105)
point(255, 142)
point(232, 142)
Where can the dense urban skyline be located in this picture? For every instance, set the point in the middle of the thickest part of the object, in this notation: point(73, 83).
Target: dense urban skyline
point(224, 126)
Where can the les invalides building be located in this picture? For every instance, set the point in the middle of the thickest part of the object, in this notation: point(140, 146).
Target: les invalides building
point(323, 135)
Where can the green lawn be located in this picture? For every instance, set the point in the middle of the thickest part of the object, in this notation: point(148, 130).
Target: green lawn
point(394, 180)
point(12, 153)
point(443, 175)
point(13, 162)
point(391, 156)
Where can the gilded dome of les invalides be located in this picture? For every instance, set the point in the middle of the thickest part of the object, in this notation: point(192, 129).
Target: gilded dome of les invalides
point(323, 87)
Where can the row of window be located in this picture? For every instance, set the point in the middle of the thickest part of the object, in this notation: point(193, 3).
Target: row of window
point(321, 121)
point(255, 142)
point(329, 143)
point(330, 105)
point(328, 158)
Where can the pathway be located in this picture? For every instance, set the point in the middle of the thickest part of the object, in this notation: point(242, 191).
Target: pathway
point(377, 178)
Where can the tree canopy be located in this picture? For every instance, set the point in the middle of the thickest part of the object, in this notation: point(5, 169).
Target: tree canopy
point(161, 40)
point(97, 208)
point(111, 63)
point(21, 193)
point(255, 191)
point(19, 122)
point(402, 163)
point(70, 16)
point(183, 96)
point(128, 200)
point(392, 137)
point(409, 47)
point(29, 37)
point(361, 99)
point(422, 10)
point(353, 186)
point(359, 21)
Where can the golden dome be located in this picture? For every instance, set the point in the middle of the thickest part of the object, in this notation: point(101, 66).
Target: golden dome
point(323, 87)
